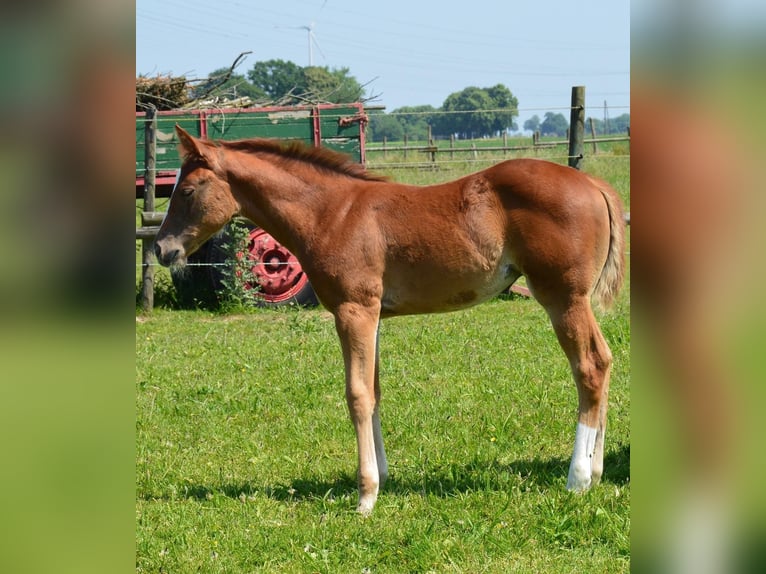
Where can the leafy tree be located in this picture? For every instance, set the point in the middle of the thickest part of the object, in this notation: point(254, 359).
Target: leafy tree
point(618, 125)
point(385, 126)
point(503, 99)
point(334, 86)
point(236, 86)
point(286, 81)
point(412, 121)
point(480, 117)
point(415, 120)
point(554, 125)
point(473, 122)
point(276, 78)
point(532, 124)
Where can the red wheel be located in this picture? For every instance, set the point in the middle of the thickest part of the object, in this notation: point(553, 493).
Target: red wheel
point(279, 275)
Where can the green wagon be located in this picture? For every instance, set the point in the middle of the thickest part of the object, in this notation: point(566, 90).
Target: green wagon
point(280, 277)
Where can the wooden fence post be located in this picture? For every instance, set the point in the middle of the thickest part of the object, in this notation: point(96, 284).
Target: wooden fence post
point(147, 244)
point(431, 144)
point(593, 135)
point(577, 127)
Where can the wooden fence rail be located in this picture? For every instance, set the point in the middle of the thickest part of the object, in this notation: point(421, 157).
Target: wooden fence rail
point(475, 149)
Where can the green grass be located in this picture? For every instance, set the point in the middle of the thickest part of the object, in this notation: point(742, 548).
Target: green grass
point(246, 458)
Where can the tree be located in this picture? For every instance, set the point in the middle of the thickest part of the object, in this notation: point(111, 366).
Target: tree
point(503, 99)
point(385, 126)
point(554, 125)
point(291, 83)
point(532, 124)
point(472, 122)
point(277, 78)
point(480, 112)
point(620, 124)
point(334, 86)
point(415, 120)
point(412, 121)
point(236, 86)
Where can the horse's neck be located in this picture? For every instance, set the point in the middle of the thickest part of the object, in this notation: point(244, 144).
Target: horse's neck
point(283, 203)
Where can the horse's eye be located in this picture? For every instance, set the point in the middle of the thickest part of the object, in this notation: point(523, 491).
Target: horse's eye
point(187, 191)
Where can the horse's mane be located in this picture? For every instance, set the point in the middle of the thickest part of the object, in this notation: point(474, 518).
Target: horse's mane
point(317, 156)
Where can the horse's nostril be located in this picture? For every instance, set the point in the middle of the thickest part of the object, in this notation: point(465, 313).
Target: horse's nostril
point(166, 258)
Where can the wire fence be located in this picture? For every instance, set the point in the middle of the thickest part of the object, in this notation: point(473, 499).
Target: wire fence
point(431, 153)
point(221, 119)
point(217, 113)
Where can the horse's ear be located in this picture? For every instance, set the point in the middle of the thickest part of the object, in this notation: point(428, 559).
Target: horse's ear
point(191, 147)
point(187, 145)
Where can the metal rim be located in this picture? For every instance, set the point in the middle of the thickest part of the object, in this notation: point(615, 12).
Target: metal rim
point(279, 274)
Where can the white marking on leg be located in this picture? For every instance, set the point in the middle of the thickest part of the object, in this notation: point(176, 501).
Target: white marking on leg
point(582, 457)
point(368, 467)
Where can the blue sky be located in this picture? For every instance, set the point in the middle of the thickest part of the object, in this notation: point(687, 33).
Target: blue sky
point(411, 53)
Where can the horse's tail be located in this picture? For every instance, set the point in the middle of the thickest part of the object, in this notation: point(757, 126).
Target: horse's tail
point(613, 273)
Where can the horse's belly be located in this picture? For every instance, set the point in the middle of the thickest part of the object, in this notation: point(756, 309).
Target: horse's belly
point(425, 291)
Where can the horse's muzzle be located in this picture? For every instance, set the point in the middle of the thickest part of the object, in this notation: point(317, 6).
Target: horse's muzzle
point(168, 257)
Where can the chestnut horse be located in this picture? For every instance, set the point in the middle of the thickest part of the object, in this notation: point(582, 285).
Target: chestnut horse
point(373, 248)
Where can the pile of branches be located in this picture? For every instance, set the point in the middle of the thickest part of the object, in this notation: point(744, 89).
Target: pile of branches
point(162, 92)
point(172, 93)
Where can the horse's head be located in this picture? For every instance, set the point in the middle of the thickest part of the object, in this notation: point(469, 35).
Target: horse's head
point(201, 203)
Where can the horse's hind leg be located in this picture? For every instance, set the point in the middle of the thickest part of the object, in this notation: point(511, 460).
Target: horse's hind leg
point(591, 361)
point(597, 465)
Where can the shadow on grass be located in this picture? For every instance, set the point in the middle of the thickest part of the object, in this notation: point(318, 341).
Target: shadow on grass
point(490, 475)
point(436, 480)
point(300, 489)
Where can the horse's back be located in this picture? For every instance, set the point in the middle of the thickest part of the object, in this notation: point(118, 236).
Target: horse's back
point(561, 191)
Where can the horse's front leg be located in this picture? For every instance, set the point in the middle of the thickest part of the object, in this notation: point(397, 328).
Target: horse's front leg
point(357, 327)
point(380, 450)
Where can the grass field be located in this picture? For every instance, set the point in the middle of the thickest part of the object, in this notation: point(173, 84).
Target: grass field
point(246, 456)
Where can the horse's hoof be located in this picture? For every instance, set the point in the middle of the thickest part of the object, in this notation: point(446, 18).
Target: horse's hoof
point(365, 506)
point(579, 480)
